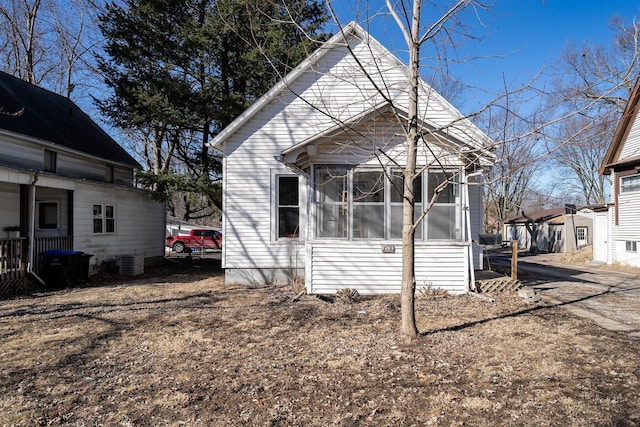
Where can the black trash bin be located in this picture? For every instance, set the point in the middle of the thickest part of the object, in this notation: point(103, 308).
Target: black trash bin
point(65, 268)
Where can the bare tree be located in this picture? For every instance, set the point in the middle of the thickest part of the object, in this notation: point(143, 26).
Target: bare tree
point(511, 179)
point(22, 38)
point(581, 156)
point(595, 80)
point(51, 43)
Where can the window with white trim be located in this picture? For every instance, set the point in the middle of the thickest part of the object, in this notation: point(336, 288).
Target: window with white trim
point(288, 206)
point(360, 203)
point(629, 183)
point(631, 246)
point(48, 214)
point(50, 161)
point(104, 219)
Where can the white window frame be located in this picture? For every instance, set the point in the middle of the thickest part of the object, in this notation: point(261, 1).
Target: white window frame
point(630, 183)
point(455, 186)
point(50, 161)
point(631, 246)
point(104, 220)
point(277, 205)
point(581, 229)
point(347, 203)
point(41, 203)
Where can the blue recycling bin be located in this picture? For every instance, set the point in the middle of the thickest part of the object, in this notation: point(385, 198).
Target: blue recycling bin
point(65, 268)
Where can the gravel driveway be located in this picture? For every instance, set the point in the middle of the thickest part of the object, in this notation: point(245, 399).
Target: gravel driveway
point(609, 298)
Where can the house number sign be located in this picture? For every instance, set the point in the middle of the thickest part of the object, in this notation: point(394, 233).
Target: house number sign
point(388, 249)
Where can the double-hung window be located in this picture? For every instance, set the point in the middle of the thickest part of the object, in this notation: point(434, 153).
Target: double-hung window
point(104, 219)
point(630, 183)
point(288, 206)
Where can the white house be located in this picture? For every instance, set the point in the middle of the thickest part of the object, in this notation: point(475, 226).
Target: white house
point(66, 185)
point(617, 231)
point(311, 172)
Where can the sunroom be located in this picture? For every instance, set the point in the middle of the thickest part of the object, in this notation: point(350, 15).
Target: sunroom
point(354, 225)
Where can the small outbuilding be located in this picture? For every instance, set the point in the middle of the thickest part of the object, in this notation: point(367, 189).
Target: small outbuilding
point(564, 229)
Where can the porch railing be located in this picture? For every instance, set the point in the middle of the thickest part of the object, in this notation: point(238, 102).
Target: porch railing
point(43, 244)
point(13, 269)
point(13, 260)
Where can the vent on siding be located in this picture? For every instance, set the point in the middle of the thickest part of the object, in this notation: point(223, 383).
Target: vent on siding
point(131, 265)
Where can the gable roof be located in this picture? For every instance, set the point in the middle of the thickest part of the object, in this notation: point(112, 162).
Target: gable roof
point(464, 130)
point(32, 111)
point(628, 116)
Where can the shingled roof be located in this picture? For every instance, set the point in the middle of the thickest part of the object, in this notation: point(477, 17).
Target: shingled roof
point(35, 112)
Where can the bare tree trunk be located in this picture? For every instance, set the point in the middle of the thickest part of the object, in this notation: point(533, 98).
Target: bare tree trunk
point(29, 46)
point(407, 305)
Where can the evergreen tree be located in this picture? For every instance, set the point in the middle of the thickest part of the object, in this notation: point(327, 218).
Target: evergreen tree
point(180, 71)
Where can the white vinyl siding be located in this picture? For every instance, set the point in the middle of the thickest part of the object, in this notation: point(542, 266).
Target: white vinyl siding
point(140, 228)
point(631, 146)
point(10, 202)
point(252, 250)
point(20, 153)
point(342, 264)
point(628, 220)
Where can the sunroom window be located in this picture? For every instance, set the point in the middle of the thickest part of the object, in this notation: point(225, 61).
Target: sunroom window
point(360, 203)
point(396, 194)
point(331, 200)
point(368, 205)
point(443, 220)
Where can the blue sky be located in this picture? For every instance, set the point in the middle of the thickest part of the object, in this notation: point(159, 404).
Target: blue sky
point(520, 37)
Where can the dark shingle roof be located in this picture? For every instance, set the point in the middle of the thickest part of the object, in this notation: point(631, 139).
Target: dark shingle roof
point(38, 113)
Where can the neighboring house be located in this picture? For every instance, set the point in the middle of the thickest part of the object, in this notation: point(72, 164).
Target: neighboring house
point(620, 226)
point(66, 185)
point(559, 229)
point(310, 172)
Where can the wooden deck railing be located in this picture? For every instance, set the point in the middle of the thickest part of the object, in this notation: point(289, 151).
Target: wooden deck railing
point(13, 260)
point(13, 269)
point(43, 244)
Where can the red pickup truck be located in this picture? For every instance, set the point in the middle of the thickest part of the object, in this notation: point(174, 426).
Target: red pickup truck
point(196, 239)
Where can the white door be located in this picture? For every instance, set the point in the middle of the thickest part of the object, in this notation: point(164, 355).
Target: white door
point(600, 237)
point(581, 236)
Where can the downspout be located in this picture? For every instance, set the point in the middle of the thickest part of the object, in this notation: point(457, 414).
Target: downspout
point(472, 273)
point(32, 229)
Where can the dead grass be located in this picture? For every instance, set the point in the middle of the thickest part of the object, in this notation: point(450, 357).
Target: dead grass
point(183, 349)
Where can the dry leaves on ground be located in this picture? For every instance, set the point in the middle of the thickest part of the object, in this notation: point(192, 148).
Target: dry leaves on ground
point(180, 348)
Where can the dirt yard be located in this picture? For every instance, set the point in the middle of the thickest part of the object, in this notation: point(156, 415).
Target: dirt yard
point(178, 348)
